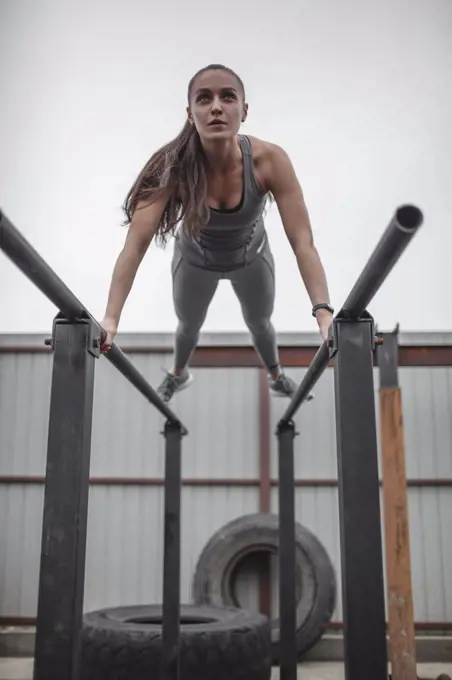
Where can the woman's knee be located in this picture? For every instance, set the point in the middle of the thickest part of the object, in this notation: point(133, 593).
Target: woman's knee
point(259, 325)
point(189, 329)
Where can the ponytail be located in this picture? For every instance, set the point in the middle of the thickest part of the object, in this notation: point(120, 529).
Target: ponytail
point(179, 167)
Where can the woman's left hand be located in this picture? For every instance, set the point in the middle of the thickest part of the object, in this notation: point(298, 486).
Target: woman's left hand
point(324, 320)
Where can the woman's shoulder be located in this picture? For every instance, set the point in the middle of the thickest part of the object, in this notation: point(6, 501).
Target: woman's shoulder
point(259, 147)
point(267, 157)
point(264, 150)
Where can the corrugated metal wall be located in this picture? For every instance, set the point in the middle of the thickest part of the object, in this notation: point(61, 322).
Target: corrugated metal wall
point(124, 556)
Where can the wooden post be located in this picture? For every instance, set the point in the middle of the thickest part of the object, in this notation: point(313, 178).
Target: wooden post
point(398, 566)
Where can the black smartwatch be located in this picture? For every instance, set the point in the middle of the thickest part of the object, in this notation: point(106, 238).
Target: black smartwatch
point(322, 305)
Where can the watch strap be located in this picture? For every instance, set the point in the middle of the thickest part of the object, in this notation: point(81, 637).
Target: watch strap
point(322, 305)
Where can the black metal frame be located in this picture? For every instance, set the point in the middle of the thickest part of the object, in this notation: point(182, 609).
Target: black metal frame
point(388, 358)
point(351, 343)
point(287, 582)
point(61, 582)
point(76, 341)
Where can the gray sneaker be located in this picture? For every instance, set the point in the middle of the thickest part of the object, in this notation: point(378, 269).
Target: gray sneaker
point(171, 384)
point(284, 386)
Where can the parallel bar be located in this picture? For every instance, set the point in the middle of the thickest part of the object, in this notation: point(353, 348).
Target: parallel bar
point(171, 558)
point(28, 260)
point(406, 221)
point(22, 253)
point(404, 224)
point(133, 375)
point(61, 582)
point(315, 370)
point(397, 533)
point(287, 584)
point(365, 651)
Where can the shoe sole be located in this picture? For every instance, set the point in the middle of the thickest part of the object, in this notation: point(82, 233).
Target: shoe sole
point(182, 387)
point(278, 395)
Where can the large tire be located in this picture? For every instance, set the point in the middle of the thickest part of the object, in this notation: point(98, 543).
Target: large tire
point(315, 575)
point(125, 643)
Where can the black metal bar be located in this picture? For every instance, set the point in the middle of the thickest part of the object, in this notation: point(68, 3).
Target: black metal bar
point(22, 253)
point(365, 652)
point(62, 571)
point(133, 375)
point(315, 370)
point(28, 260)
point(287, 589)
point(406, 221)
point(388, 359)
point(171, 557)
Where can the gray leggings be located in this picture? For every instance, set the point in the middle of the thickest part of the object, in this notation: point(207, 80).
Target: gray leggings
point(254, 285)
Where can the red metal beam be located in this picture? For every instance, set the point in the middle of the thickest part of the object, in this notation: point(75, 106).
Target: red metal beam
point(246, 357)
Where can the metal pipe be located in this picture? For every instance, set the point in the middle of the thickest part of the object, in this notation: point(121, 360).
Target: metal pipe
point(406, 221)
point(315, 370)
point(28, 260)
point(35, 268)
point(133, 375)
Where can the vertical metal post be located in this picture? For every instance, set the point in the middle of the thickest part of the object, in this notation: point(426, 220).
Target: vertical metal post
point(171, 557)
point(287, 590)
point(62, 571)
point(365, 651)
point(265, 590)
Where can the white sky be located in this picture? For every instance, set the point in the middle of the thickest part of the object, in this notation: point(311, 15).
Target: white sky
point(358, 93)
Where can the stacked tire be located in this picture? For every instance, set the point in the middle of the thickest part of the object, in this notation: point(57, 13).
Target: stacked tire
point(315, 574)
point(125, 643)
point(218, 639)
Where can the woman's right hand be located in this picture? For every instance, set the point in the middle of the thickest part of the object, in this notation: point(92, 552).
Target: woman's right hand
point(110, 326)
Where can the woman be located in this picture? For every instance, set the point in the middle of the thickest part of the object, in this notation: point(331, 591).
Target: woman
point(215, 183)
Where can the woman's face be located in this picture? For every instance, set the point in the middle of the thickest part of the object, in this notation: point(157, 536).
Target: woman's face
point(217, 108)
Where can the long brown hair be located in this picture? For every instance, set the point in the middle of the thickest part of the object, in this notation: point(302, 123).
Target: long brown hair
point(179, 167)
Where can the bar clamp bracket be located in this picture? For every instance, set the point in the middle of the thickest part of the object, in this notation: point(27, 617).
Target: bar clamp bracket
point(342, 317)
point(95, 332)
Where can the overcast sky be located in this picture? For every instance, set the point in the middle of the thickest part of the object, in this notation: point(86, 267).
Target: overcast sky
point(358, 93)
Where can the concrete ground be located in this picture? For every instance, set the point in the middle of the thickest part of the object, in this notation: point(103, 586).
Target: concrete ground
point(22, 669)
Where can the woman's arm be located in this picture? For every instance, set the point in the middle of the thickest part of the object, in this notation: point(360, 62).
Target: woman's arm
point(141, 231)
point(282, 182)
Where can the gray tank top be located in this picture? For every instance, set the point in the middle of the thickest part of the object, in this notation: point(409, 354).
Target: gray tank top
point(232, 238)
